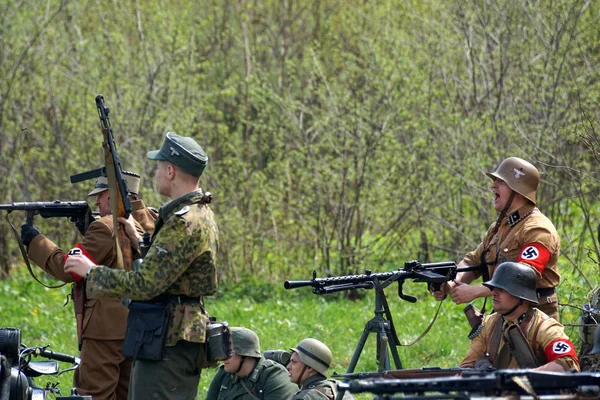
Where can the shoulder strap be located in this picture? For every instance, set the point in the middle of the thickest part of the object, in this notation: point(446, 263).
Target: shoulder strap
point(495, 340)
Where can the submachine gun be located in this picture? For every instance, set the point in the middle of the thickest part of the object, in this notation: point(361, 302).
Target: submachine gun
point(382, 324)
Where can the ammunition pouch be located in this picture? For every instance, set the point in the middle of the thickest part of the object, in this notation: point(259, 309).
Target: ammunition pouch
point(475, 318)
point(147, 326)
point(519, 347)
point(219, 345)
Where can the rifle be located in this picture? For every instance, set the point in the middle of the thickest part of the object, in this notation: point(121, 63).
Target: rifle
point(482, 382)
point(433, 273)
point(410, 373)
point(120, 205)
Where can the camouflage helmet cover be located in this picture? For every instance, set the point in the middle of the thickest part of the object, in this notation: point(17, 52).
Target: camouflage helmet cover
point(314, 354)
point(520, 175)
point(517, 279)
point(245, 342)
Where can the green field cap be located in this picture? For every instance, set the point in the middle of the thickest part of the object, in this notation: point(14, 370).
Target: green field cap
point(183, 152)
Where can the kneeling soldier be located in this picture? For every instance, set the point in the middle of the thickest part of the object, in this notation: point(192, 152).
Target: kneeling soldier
point(247, 375)
point(518, 335)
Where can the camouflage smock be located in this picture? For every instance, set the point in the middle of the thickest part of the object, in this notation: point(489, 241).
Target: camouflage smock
point(180, 261)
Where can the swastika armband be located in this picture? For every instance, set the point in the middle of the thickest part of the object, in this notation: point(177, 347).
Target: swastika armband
point(559, 348)
point(78, 250)
point(536, 255)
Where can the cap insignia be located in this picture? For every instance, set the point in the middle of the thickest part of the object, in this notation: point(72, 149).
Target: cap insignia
point(174, 152)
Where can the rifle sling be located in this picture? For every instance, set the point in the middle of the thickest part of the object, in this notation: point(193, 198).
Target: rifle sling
point(519, 346)
point(26, 259)
point(426, 330)
point(495, 341)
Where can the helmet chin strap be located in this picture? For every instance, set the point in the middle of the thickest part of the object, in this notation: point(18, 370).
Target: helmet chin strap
point(300, 380)
point(243, 359)
point(514, 308)
point(508, 204)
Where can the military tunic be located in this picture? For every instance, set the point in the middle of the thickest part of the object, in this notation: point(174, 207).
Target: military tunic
point(544, 334)
point(180, 261)
point(317, 387)
point(508, 245)
point(268, 380)
point(103, 372)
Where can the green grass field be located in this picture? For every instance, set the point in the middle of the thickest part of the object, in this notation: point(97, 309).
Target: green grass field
point(280, 317)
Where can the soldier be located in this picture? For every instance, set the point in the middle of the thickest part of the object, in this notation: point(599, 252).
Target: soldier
point(247, 375)
point(308, 369)
point(521, 233)
point(104, 372)
point(518, 335)
point(175, 275)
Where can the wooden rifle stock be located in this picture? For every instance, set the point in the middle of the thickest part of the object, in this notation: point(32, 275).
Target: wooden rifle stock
point(79, 299)
point(120, 205)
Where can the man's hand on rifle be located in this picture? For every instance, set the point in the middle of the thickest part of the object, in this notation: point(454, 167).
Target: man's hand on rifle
point(130, 229)
point(445, 289)
point(28, 233)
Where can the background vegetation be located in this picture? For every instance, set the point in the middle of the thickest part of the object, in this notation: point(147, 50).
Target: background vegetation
point(342, 135)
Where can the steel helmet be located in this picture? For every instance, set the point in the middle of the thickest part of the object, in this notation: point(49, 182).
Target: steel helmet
point(245, 342)
point(314, 354)
point(519, 175)
point(517, 279)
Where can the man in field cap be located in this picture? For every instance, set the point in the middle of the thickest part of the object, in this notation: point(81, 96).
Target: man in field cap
point(183, 152)
point(178, 270)
point(104, 372)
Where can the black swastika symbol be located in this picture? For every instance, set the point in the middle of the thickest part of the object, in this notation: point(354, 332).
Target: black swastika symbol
point(561, 347)
point(529, 253)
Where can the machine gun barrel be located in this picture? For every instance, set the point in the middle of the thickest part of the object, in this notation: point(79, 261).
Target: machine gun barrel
point(434, 273)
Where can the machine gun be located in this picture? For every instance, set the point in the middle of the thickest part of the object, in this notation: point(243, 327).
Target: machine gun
point(433, 273)
point(409, 373)
point(526, 382)
point(382, 323)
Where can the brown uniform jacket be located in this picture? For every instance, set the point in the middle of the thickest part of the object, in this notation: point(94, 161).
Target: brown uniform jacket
point(104, 319)
point(545, 335)
point(507, 244)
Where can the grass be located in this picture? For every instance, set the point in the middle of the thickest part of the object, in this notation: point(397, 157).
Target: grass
point(281, 318)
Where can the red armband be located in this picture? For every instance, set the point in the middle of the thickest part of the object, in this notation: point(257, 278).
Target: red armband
point(559, 348)
point(536, 255)
point(85, 253)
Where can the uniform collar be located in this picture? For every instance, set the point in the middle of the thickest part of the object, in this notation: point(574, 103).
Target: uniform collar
point(514, 217)
point(189, 198)
point(310, 382)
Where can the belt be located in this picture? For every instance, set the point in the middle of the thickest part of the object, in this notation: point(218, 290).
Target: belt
point(175, 299)
point(545, 292)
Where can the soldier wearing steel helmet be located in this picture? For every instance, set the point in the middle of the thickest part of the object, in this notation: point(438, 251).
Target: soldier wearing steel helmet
point(518, 335)
point(521, 233)
point(308, 369)
point(247, 375)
